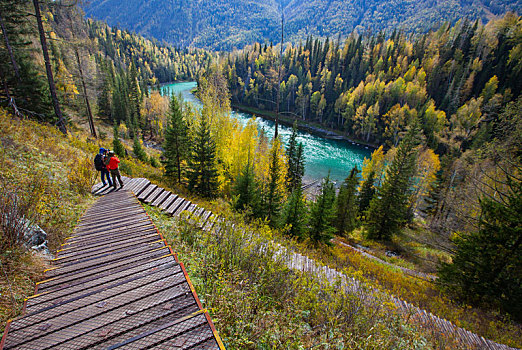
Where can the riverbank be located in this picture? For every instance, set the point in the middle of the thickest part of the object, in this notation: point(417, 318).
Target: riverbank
point(312, 128)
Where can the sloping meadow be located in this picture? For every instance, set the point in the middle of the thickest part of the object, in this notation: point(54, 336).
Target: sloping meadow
point(44, 179)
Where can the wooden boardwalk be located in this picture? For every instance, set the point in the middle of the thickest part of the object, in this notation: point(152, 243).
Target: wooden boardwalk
point(174, 205)
point(114, 284)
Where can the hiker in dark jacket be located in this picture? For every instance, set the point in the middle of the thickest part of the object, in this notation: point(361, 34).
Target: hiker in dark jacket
point(99, 164)
point(113, 168)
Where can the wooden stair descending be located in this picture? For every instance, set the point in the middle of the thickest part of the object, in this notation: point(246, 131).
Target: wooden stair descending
point(114, 284)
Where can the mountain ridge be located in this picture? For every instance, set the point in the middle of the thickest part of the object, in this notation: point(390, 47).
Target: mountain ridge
point(224, 25)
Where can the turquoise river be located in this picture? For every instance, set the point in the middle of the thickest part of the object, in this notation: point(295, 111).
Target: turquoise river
point(321, 155)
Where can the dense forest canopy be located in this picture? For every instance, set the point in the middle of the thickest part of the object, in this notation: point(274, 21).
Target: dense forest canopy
point(454, 79)
point(224, 25)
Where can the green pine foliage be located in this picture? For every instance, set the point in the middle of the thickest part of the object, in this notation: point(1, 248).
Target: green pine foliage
point(346, 204)
point(388, 209)
point(366, 193)
point(322, 214)
point(135, 97)
point(138, 150)
point(245, 190)
point(116, 143)
point(19, 71)
point(176, 148)
point(487, 266)
point(294, 154)
point(202, 172)
point(272, 196)
point(295, 214)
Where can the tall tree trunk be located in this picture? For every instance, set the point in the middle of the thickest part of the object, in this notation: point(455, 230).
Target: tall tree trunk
point(9, 48)
point(279, 76)
point(91, 119)
point(50, 78)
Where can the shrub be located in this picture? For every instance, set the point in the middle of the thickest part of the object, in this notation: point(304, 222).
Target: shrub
point(17, 211)
point(81, 175)
point(154, 162)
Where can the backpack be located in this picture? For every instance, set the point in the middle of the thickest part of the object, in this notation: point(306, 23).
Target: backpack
point(98, 162)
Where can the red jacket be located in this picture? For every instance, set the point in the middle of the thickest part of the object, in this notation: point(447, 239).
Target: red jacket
point(113, 163)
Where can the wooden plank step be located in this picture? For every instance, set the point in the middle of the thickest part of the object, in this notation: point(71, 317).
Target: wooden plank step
point(147, 192)
point(155, 194)
point(168, 202)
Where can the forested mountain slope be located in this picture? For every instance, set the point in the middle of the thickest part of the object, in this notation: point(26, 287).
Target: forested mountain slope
point(218, 24)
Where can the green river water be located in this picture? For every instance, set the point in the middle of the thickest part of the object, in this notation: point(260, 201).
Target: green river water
point(321, 155)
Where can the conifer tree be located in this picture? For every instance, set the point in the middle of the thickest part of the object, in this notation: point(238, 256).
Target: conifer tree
point(487, 266)
point(346, 204)
point(273, 194)
point(116, 143)
point(105, 96)
point(119, 102)
point(138, 150)
point(322, 214)
point(294, 154)
point(20, 84)
point(135, 97)
point(366, 193)
point(295, 214)
point(202, 172)
point(245, 189)
point(388, 210)
point(176, 140)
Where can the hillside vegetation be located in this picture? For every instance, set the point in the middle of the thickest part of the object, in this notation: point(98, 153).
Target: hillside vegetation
point(224, 25)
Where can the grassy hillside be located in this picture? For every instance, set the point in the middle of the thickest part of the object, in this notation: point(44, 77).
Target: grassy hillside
point(46, 177)
point(224, 25)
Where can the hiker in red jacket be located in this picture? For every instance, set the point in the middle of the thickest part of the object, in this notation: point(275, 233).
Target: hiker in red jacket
point(112, 166)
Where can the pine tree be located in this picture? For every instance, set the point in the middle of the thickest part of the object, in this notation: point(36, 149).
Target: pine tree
point(346, 204)
point(20, 83)
point(176, 140)
point(119, 102)
point(366, 193)
point(135, 97)
point(138, 150)
point(116, 143)
point(105, 96)
point(294, 154)
point(202, 172)
point(273, 195)
point(388, 210)
point(322, 214)
point(487, 266)
point(245, 189)
point(295, 214)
